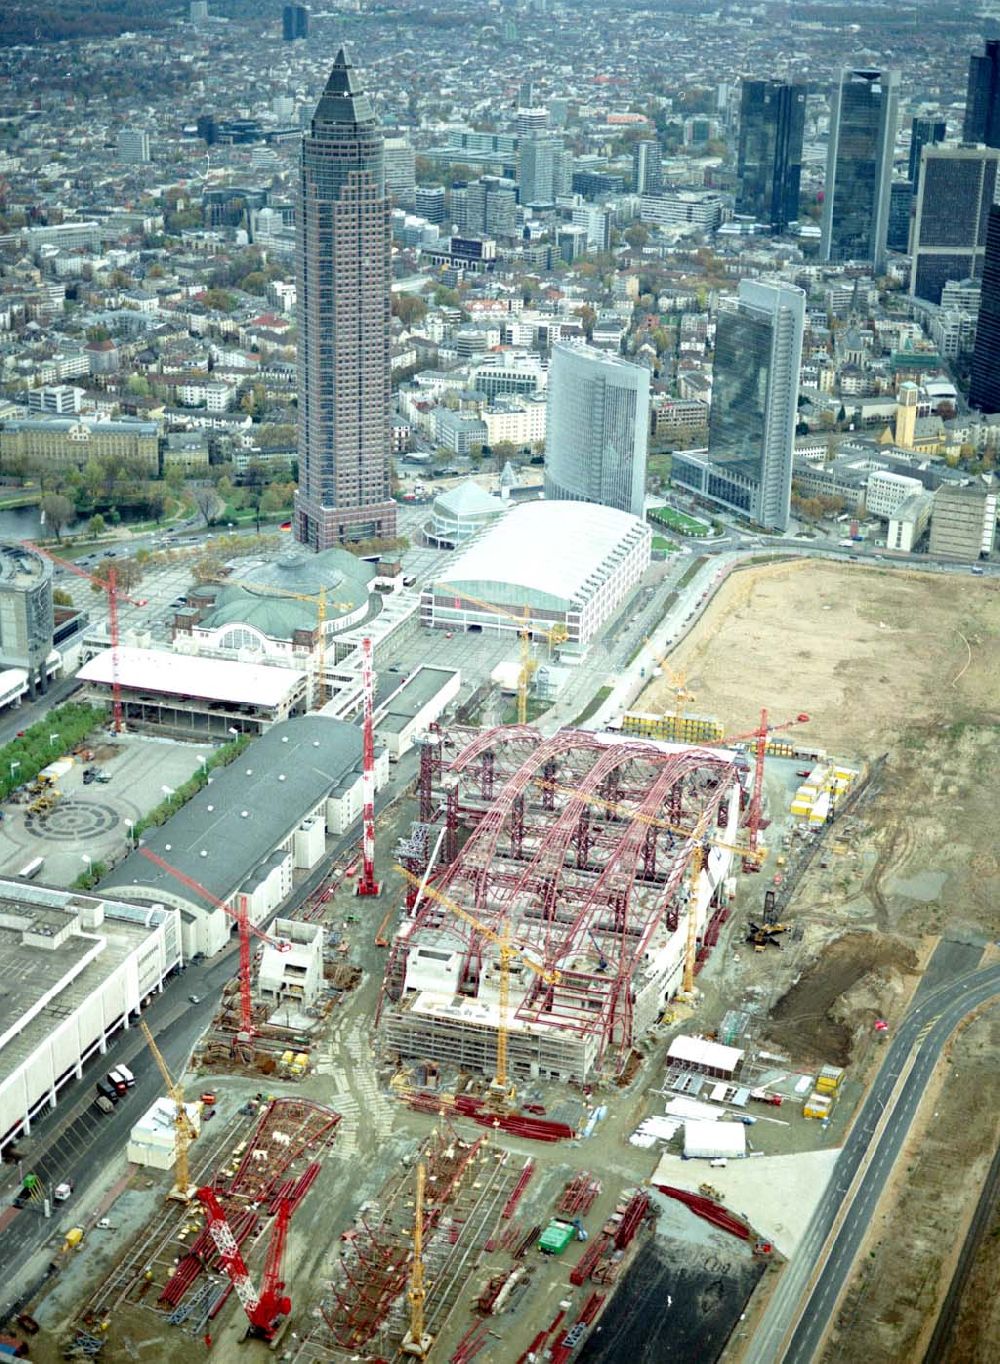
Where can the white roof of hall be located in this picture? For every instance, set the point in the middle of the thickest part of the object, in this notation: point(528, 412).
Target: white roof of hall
point(553, 548)
point(215, 679)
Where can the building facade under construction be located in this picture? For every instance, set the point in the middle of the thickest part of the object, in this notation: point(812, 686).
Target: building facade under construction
point(551, 896)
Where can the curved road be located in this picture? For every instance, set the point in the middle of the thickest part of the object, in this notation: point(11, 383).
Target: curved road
point(925, 1030)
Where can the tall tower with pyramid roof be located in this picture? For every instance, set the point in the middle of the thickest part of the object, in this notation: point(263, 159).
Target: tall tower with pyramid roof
point(343, 278)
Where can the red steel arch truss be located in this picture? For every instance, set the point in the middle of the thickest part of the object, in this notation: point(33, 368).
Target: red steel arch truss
point(563, 838)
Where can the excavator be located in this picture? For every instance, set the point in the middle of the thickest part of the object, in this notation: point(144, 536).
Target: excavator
point(764, 935)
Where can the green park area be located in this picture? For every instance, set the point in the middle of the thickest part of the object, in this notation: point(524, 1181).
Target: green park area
point(677, 521)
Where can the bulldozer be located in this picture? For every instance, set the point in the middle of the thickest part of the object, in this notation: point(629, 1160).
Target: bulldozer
point(764, 935)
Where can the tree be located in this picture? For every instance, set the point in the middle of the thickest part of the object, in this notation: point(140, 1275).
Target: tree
point(60, 597)
point(96, 525)
point(637, 236)
point(409, 308)
point(207, 501)
point(58, 512)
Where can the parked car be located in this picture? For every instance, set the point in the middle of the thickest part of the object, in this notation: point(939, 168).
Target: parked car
point(103, 1104)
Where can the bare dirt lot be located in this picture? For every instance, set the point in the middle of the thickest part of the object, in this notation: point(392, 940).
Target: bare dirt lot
point(892, 1303)
point(865, 652)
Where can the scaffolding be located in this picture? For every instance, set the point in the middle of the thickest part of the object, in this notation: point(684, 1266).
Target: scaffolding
point(578, 846)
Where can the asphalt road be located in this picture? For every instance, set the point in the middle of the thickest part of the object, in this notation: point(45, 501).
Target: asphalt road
point(927, 1026)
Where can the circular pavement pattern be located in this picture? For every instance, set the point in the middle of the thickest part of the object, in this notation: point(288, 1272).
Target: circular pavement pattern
point(73, 819)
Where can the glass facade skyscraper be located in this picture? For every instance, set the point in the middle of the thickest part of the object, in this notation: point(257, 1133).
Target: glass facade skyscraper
point(769, 164)
point(982, 102)
point(984, 385)
point(598, 429)
point(755, 391)
point(343, 277)
point(863, 120)
point(924, 132)
point(957, 187)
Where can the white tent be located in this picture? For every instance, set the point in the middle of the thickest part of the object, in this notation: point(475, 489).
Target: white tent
point(714, 1140)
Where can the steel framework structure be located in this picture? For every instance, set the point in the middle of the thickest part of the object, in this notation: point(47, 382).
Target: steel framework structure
point(584, 887)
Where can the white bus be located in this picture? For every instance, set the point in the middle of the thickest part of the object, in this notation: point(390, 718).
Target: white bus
point(31, 870)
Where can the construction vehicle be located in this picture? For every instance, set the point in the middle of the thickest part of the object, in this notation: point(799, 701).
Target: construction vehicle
point(764, 935)
point(502, 1093)
point(246, 930)
point(267, 1309)
point(110, 586)
point(417, 1342)
point(184, 1133)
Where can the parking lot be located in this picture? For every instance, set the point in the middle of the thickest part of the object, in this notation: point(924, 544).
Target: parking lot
point(90, 822)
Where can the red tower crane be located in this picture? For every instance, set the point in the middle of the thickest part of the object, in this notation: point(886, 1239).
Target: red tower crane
point(367, 885)
point(264, 1309)
point(759, 734)
point(246, 928)
point(110, 586)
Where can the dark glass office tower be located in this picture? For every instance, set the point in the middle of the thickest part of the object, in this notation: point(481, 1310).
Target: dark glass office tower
point(982, 103)
point(957, 187)
point(294, 23)
point(769, 166)
point(984, 388)
point(343, 280)
point(924, 132)
point(755, 390)
point(863, 120)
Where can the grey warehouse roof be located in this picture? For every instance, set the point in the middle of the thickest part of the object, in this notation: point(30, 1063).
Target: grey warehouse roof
point(230, 827)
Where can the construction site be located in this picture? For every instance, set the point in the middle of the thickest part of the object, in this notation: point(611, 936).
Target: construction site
point(490, 1091)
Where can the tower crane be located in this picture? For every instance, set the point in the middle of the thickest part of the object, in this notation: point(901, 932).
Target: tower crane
point(417, 1342)
point(759, 735)
point(555, 634)
point(184, 1133)
point(508, 952)
point(264, 1309)
point(115, 595)
point(246, 929)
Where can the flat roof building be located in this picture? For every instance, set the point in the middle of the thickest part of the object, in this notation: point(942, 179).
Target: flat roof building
point(75, 969)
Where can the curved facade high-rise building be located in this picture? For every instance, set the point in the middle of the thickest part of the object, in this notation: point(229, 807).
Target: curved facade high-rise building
point(597, 430)
point(343, 278)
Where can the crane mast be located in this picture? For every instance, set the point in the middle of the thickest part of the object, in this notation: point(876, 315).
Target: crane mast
point(183, 1131)
point(417, 1342)
point(367, 885)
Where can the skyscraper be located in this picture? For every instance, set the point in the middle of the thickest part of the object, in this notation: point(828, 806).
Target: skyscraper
point(982, 103)
point(597, 429)
point(900, 203)
point(755, 391)
point(294, 23)
point(133, 146)
point(545, 169)
point(343, 278)
point(984, 386)
point(957, 186)
point(769, 164)
point(647, 167)
point(863, 121)
point(924, 132)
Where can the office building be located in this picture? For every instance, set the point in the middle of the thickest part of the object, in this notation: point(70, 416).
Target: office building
point(769, 162)
point(26, 617)
point(982, 102)
point(490, 207)
point(530, 122)
point(429, 203)
point(924, 132)
point(342, 285)
point(897, 236)
point(400, 171)
point(133, 146)
point(963, 521)
point(294, 23)
point(863, 120)
point(751, 423)
point(957, 187)
point(598, 427)
point(596, 221)
point(198, 12)
point(544, 169)
point(984, 384)
point(647, 167)
point(697, 210)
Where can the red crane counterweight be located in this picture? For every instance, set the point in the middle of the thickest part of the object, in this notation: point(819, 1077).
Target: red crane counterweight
point(367, 885)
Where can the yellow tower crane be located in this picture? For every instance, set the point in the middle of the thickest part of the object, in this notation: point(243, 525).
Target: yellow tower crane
point(417, 1342)
point(555, 634)
point(503, 1092)
point(184, 1133)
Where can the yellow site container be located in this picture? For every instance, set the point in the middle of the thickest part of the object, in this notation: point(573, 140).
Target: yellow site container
point(287, 1057)
point(302, 1059)
point(817, 1106)
point(829, 1078)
